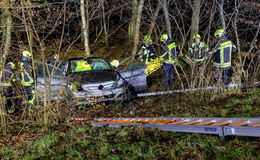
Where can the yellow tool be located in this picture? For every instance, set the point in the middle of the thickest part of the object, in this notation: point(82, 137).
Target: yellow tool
point(154, 65)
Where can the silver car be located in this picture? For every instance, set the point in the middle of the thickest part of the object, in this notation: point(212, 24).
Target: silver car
point(100, 83)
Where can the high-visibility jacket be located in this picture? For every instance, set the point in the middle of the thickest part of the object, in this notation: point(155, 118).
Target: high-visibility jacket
point(222, 52)
point(82, 67)
point(170, 53)
point(147, 53)
point(26, 73)
point(198, 51)
point(6, 77)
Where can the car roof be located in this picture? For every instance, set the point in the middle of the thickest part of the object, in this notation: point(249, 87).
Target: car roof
point(71, 59)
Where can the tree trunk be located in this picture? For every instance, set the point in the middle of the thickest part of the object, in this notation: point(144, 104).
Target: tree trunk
point(104, 22)
point(155, 15)
point(132, 24)
point(137, 27)
point(195, 18)
point(28, 28)
point(221, 14)
point(7, 33)
point(85, 26)
point(167, 18)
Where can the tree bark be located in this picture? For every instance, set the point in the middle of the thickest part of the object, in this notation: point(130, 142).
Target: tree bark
point(85, 26)
point(131, 28)
point(104, 22)
point(155, 15)
point(137, 27)
point(195, 18)
point(167, 18)
point(7, 33)
point(221, 14)
point(27, 26)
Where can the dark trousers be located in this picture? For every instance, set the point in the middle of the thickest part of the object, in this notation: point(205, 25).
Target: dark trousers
point(28, 95)
point(168, 74)
point(7, 93)
point(222, 75)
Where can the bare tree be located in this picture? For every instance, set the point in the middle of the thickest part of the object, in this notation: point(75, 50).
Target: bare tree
point(7, 30)
point(166, 16)
point(137, 27)
point(132, 24)
point(195, 18)
point(221, 14)
point(104, 22)
point(85, 25)
point(155, 15)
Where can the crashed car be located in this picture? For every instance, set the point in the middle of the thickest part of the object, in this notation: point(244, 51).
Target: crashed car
point(98, 82)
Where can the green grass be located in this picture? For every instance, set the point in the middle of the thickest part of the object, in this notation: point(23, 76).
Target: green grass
point(88, 142)
point(134, 143)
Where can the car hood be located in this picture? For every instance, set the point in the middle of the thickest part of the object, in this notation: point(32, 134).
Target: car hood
point(92, 76)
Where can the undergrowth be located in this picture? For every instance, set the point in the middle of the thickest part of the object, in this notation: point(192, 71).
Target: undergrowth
point(82, 141)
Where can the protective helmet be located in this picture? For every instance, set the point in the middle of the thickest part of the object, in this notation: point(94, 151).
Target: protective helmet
point(219, 33)
point(196, 36)
point(27, 53)
point(164, 37)
point(115, 63)
point(147, 39)
point(11, 64)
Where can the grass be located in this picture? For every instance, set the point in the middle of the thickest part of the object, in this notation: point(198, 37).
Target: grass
point(82, 141)
point(134, 143)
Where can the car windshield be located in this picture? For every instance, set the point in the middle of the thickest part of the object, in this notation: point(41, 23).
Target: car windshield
point(48, 70)
point(89, 64)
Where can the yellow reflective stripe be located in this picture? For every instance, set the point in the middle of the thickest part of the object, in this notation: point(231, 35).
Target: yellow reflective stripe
point(172, 45)
point(170, 61)
point(5, 84)
point(23, 80)
point(225, 43)
point(228, 64)
point(164, 54)
point(199, 60)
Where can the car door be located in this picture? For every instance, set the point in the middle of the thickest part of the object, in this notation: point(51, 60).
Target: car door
point(135, 76)
point(50, 76)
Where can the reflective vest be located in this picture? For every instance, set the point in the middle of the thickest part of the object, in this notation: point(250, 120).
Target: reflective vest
point(147, 52)
point(198, 51)
point(170, 54)
point(26, 75)
point(82, 67)
point(222, 54)
point(6, 77)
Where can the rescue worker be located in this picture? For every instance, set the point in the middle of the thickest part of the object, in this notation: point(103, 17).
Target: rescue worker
point(169, 53)
point(54, 59)
point(147, 52)
point(222, 55)
point(7, 77)
point(115, 63)
point(198, 51)
point(82, 66)
point(27, 77)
